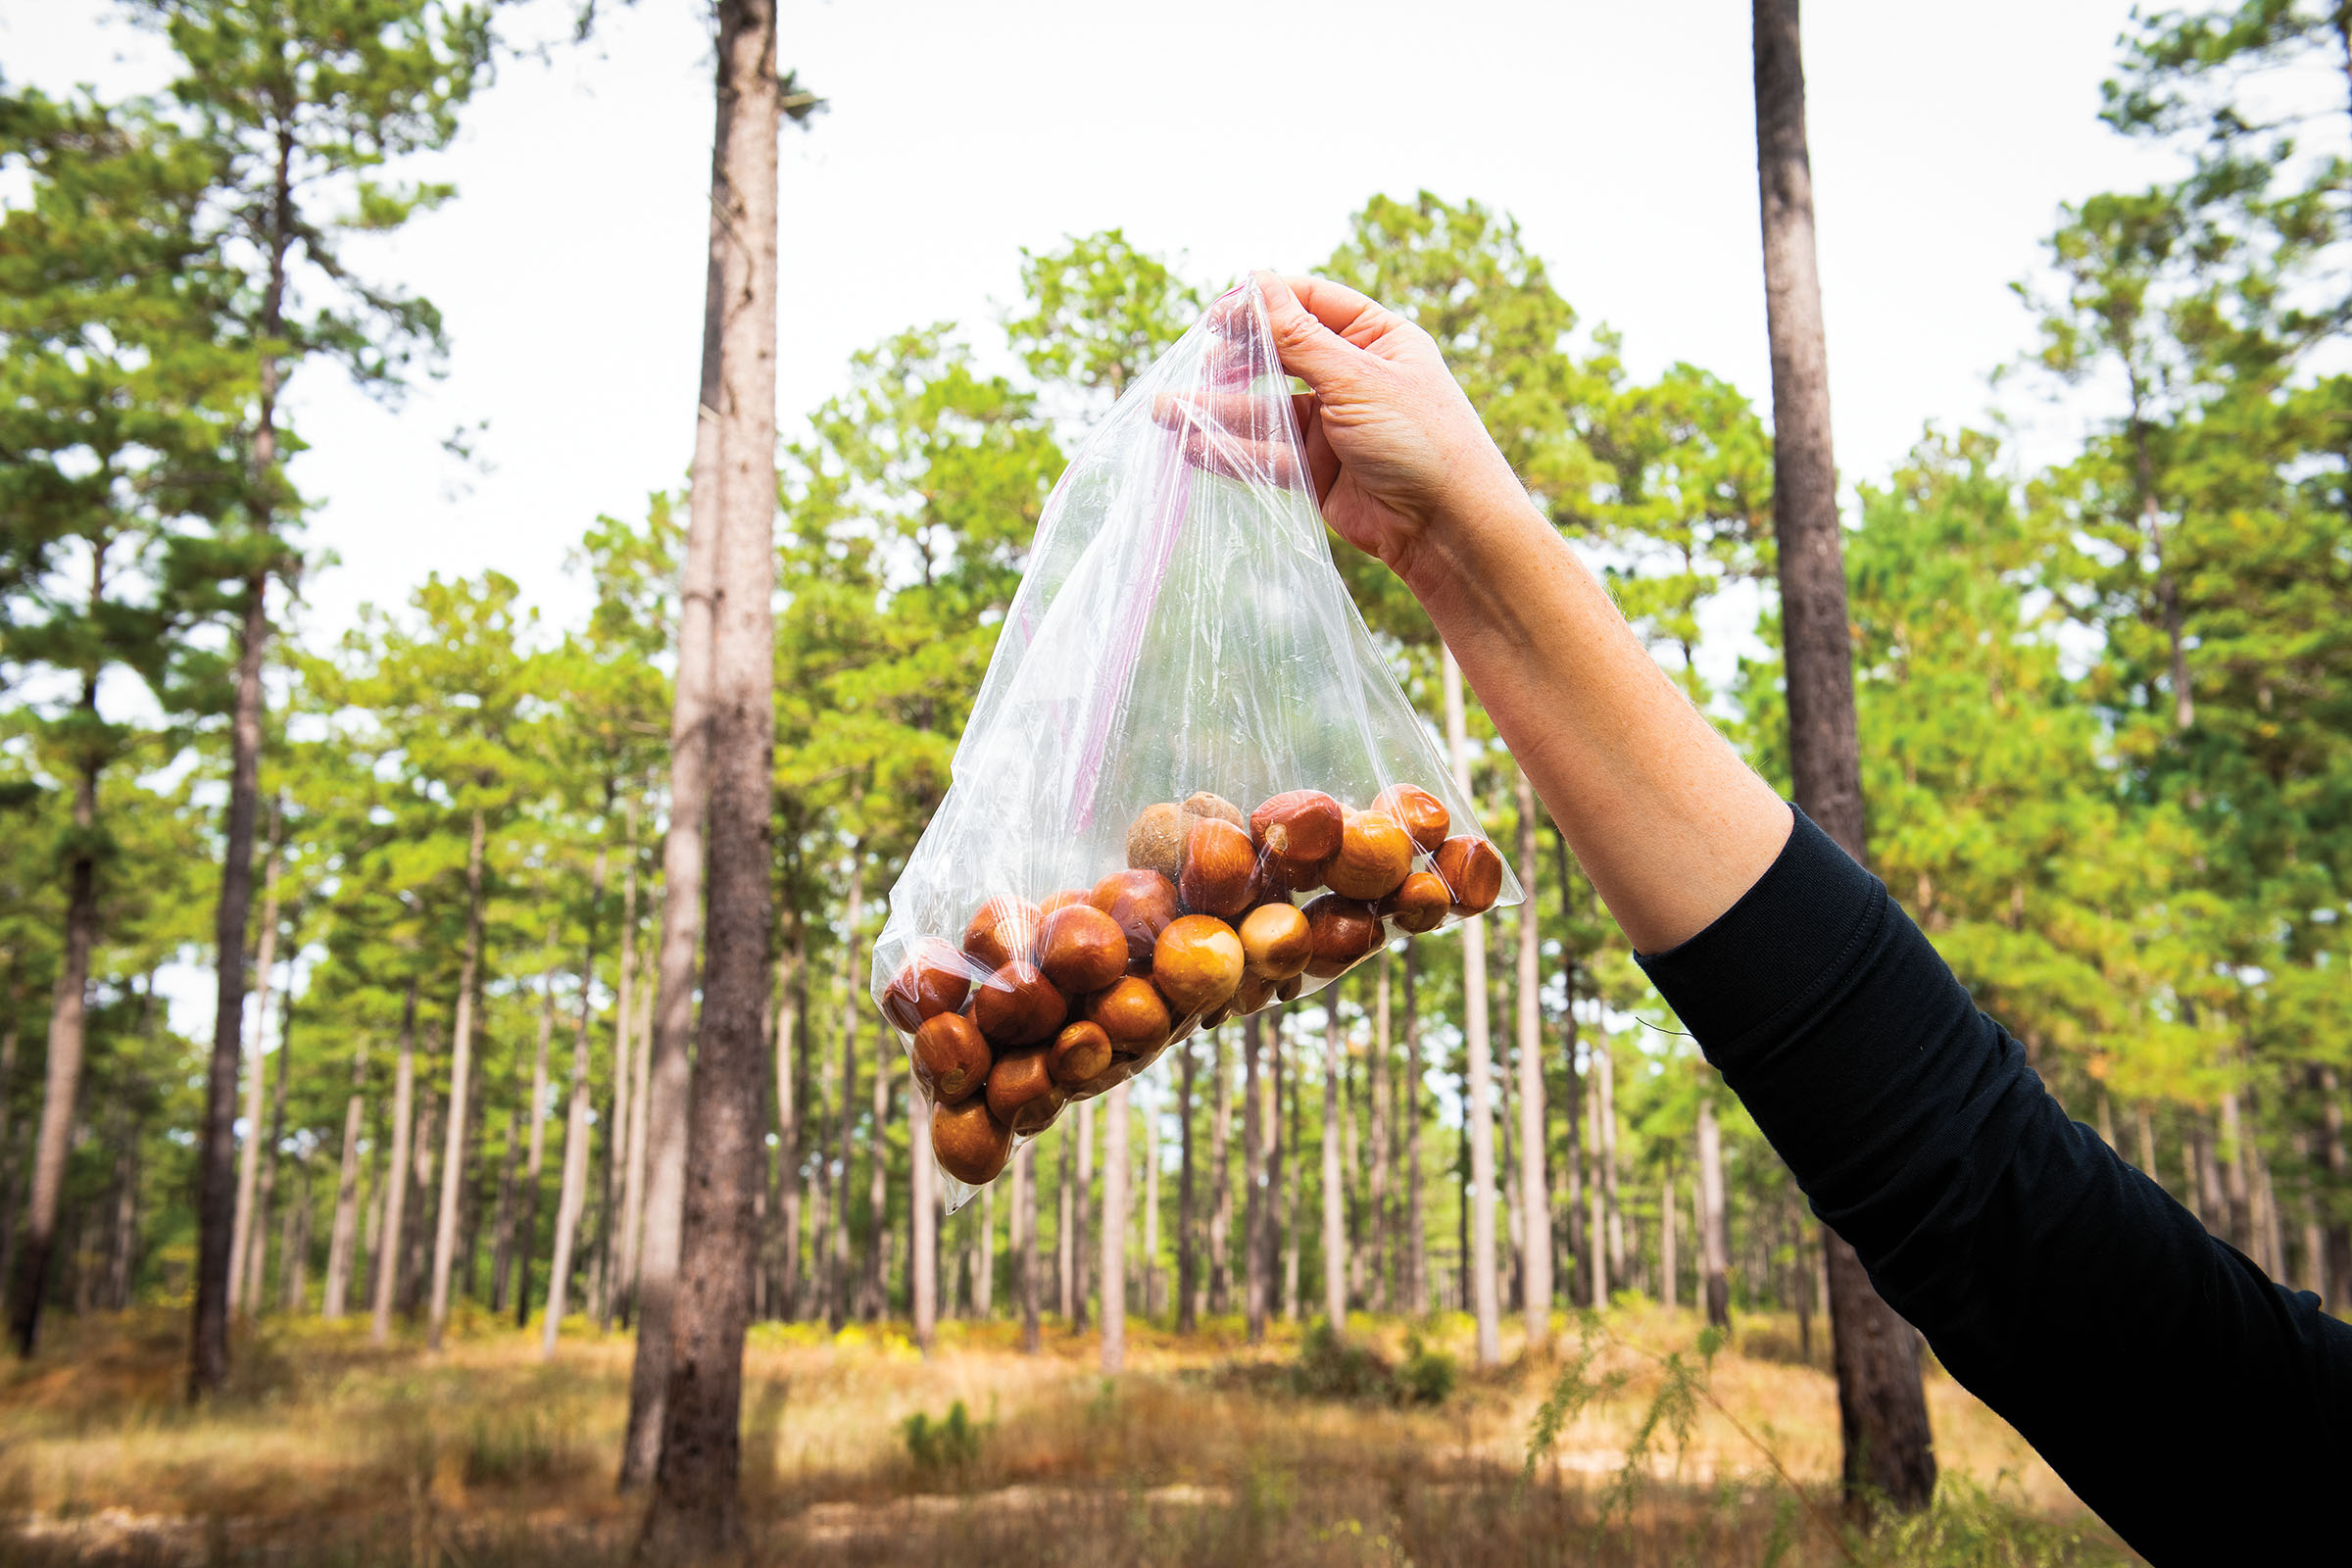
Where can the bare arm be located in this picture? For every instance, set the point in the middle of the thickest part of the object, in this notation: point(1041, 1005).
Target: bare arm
point(1669, 823)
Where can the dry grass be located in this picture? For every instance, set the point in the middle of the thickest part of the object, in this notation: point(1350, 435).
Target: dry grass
point(330, 1451)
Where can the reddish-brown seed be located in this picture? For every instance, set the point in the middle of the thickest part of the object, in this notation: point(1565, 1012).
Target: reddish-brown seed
point(1342, 932)
point(1081, 1050)
point(1022, 1093)
point(1220, 869)
point(1018, 1005)
point(1299, 826)
point(1423, 814)
point(1001, 930)
point(1133, 1013)
point(1420, 905)
point(949, 1058)
point(1473, 874)
point(1081, 948)
point(934, 980)
point(972, 1146)
point(1143, 903)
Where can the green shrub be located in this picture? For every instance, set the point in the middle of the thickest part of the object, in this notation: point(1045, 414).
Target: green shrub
point(1427, 1375)
point(951, 1445)
point(1332, 1366)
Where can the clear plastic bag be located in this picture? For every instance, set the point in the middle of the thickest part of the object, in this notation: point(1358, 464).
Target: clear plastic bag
point(1183, 714)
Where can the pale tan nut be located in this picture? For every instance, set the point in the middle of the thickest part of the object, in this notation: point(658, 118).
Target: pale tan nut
point(972, 1146)
point(1275, 942)
point(1202, 804)
point(1375, 856)
point(1156, 840)
point(1197, 964)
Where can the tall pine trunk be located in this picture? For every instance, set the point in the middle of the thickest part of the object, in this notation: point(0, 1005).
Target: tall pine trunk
point(1714, 1250)
point(1188, 1261)
point(1535, 1197)
point(671, 1069)
point(1114, 1230)
point(1028, 1250)
point(258, 1253)
point(1416, 1240)
point(396, 1173)
point(923, 1221)
point(619, 1175)
point(1335, 1216)
point(61, 1087)
point(249, 1158)
point(460, 1074)
point(1882, 1408)
point(792, 1039)
point(1220, 1165)
point(572, 1192)
point(1484, 1298)
point(695, 1507)
point(1376, 1175)
point(527, 1223)
point(342, 1238)
point(1256, 1214)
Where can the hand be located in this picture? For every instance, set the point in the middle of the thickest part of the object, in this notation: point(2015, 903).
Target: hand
point(1396, 454)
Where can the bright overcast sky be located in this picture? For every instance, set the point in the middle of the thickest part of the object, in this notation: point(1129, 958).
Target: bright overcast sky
point(569, 268)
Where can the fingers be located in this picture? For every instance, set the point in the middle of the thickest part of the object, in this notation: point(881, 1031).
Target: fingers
point(1322, 464)
point(1357, 318)
point(1310, 348)
point(1235, 434)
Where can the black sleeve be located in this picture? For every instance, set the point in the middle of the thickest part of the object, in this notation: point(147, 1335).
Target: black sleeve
point(2203, 1411)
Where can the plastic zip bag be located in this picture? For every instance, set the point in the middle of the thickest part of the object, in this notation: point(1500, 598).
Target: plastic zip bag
point(1190, 788)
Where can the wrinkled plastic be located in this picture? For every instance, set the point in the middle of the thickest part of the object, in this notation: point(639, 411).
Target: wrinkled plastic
point(1180, 627)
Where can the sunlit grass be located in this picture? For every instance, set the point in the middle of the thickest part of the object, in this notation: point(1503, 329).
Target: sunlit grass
point(328, 1449)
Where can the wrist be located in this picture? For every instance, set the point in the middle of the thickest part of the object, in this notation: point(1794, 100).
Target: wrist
point(1475, 538)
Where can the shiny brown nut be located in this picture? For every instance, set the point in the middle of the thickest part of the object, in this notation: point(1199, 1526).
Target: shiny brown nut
point(1018, 1005)
point(1022, 1093)
point(1001, 930)
point(1220, 869)
point(1423, 814)
point(1081, 1050)
point(1218, 1017)
point(1156, 840)
point(1197, 964)
point(1081, 949)
point(1420, 905)
point(1473, 874)
point(1132, 1013)
point(1202, 803)
point(951, 1058)
point(972, 1146)
point(1342, 931)
point(1375, 855)
point(1299, 827)
point(1142, 901)
point(933, 981)
point(1274, 942)
point(1060, 901)
point(1281, 876)
point(1252, 995)
point(1287, 989)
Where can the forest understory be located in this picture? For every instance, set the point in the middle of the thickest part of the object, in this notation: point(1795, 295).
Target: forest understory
point(328, 1449)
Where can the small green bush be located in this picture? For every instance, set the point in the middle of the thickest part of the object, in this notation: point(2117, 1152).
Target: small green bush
point(1427, 1375)
point(949, 1445)
point(1331, 1366)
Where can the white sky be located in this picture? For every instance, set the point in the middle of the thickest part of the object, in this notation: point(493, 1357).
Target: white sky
point(570, 268)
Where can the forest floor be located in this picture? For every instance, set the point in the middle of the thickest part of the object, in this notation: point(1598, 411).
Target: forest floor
point(328, 1449)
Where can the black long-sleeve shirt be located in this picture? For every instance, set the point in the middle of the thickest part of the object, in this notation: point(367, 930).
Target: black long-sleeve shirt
point(2202, 1410)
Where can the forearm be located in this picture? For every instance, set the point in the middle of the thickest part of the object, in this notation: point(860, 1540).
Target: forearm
point(1667, 821)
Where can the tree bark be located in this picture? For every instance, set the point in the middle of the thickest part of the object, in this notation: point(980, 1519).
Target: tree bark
point(1534, 1194)
point(249, 1158)
point(396, 1172)
point(343, 1238)
point(1714, 1251)
point(62, 1086)
point(634, 1195)
point(875, 1298)
point(852, 1009)
point(1598, 1225)
point(1282, 1160)
point(1416, 1242)
point(258, 1253)
point(984, 1270)
point(1669, 1266)
point(923, 1221)
point(1114, 1230)
point(665, 1104)
point(460, 1071)
point(1881, 1408)
point(215, 1221)
point(572, 1192)
point(695, 1507)
point(1481, 1108)
point(2340, 1170)
point(1220, 1164)
point(620, 1176)
point(527, 1223)
point(1376, 1175)
point(792, 1065)
point(1335, 1218)
point(501, 1227)
point(1188, 1262)
point(1081, 1200)
point(1257, 1228)
point(1032, 1262)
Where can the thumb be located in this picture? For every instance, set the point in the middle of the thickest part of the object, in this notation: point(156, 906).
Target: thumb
point(1310, 350)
